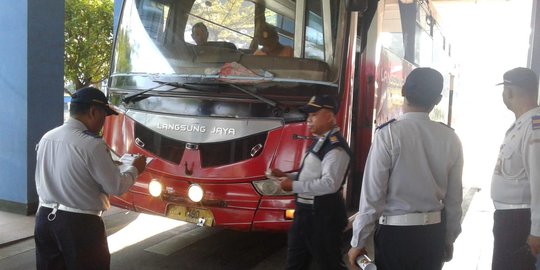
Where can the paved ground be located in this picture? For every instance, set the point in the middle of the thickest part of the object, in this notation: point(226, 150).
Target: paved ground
point(148, 242)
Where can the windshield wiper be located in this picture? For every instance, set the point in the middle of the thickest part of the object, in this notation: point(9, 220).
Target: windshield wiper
point(137, 96)
point(259, 97)
point(175, 85)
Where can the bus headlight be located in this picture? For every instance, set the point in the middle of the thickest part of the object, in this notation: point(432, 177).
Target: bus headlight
point(195, 193)
point(155, 188)
point(270, 187)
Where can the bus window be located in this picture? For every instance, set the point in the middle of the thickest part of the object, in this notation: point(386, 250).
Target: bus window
point(283, 25)
point(423, 48)
point(392, 33)
point(314, 32)
point(155, 37)
point(423, 42)
point(227, 22)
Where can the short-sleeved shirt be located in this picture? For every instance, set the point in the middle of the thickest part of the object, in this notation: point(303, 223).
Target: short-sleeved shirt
point(516, 178)
point(414, 166)
point(320, 177)
point(74, 168)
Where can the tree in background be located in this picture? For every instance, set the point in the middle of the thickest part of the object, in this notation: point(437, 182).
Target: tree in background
point(88, 36)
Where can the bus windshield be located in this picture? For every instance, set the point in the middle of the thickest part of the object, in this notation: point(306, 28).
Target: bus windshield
point(236, 42)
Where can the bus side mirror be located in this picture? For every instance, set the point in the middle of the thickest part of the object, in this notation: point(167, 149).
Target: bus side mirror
point(356, 5)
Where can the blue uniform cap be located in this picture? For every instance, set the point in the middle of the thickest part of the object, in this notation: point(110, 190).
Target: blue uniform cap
point(423, 86)
point(521, 77)
point(91, 95)
point(320, 102)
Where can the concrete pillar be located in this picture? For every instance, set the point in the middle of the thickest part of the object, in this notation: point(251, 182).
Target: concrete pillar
point(31, 93)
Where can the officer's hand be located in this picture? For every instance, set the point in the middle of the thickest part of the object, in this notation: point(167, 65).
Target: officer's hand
point(278, 173)
point(285, 183)
point(448, 252)
point(534, 244)
point(354, 253)
point(140, 163)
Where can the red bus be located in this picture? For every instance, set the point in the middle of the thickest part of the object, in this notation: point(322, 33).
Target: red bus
point(214, 117)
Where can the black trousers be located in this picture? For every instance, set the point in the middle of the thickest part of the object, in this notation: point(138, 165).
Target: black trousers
point(318, 236)
point(70, 241)
point(510, 231)
point(409, 247)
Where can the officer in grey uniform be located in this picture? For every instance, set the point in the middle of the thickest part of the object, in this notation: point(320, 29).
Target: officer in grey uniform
point(320, 215)
point(74, 176)
point(411, 191)
point(515, 186)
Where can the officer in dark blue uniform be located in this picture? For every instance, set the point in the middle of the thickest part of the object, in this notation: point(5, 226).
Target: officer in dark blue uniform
point(320, 215)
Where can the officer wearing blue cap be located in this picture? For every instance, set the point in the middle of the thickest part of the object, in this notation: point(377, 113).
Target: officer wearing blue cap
point(320, 215)
point(515, 185)
point(74, 176)
point(411, 192)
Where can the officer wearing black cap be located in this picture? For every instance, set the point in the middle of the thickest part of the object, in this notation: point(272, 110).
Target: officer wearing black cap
point(515, 185)
point(74, 176)
point(320, 216)
point(411, 191)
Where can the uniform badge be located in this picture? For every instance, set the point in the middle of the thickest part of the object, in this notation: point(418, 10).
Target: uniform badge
point(333, 139)
point(536, 122)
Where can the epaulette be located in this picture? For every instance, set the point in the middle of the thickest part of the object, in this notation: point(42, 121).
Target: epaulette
point(535, 122)
point(333, 139)
point(446, 125)
point(91, 134)
point(386, 124)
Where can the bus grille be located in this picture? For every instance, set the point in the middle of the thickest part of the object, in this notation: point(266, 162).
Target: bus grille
point(222, 153)
point(212, 154)
point(159, 145)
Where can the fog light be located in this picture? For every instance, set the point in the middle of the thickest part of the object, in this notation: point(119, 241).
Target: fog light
point(155, 188)
point(289, 214)
point(195, 193)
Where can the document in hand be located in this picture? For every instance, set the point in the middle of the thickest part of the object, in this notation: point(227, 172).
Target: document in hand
point(127, 159)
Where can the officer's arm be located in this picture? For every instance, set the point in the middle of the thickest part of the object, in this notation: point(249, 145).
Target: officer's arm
point(107, 174)
point(454, 197)
point(532, 160)
point(374, 190)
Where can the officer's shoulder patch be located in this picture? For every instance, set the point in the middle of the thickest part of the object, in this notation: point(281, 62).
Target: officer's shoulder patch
point(333, 139)
point(91, 134)
point(535, 122)
point(446, 125)
point(386, 124)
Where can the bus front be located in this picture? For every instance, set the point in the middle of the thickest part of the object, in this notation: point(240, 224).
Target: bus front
point(215, 117)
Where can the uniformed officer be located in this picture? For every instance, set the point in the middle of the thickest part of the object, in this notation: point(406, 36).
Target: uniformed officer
point(411, 191)
point(515, 186)
point(74, 176)
point(320, 215)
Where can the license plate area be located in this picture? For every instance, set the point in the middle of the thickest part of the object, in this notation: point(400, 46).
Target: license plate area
point(201, 217)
